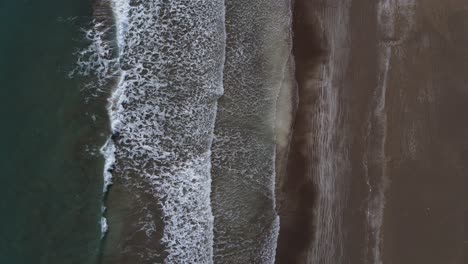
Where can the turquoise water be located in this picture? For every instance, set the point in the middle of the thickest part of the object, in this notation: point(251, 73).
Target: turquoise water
point(51, 177)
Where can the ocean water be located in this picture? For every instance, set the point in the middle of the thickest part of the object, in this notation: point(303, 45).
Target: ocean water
point(51, 132)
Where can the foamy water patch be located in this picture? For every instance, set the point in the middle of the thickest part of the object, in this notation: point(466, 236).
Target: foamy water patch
point(121, 9)
point(104, 226)
point(108, 151)
point(98, 59)
point(162, 116)
point(187, 213)
point(166, 59)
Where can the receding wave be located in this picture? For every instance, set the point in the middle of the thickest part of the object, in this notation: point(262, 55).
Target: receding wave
point(244, 148)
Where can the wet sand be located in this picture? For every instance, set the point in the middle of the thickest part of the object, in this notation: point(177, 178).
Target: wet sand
point(426, 210)
point(401, 98)
point(295, 190)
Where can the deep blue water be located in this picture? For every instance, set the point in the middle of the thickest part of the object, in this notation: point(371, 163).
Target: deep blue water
point(51, 171)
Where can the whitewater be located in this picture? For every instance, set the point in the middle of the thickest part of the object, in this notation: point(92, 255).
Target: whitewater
point(162, 111)
point(181, 175)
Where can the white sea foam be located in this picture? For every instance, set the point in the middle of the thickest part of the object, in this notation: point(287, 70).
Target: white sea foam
point(108, 151)
point(104, 226)
point(97, 59)
point(162, 115)
point(167, 58)
point(121, 17)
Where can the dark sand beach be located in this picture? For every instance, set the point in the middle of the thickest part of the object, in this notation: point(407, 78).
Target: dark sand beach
point(426, 216)
point(399, 96)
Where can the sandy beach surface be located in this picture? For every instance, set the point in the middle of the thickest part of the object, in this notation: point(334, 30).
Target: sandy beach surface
point(377, 169)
